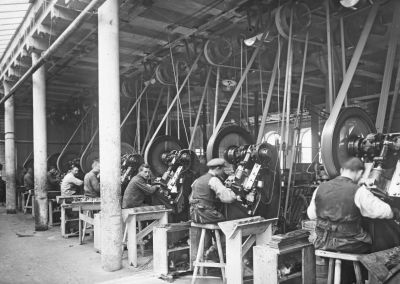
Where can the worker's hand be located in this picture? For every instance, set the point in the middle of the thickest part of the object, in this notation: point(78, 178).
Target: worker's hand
point(396, 214)
point(238, 198)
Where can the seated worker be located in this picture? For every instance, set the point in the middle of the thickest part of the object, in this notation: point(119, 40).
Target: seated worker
point(53, 179)
point(70, 184)
point(138, 188)
point(28, 179)
point(338, 206)
point(91, 182)
point(53, 183)
point(207, 190)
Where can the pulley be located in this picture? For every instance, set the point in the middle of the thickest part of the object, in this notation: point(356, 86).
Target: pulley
point(93, 154)
point(165, 70)
point(228, 136)
point(339, 141)
point(218, 50)
point(158, 151)
point(301, 18)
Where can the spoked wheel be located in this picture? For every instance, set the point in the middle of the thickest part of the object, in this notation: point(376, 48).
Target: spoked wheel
point(352, 123)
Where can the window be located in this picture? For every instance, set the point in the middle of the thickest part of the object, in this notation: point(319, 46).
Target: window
point(306, 146)
point(272, 138)
point(199, 152)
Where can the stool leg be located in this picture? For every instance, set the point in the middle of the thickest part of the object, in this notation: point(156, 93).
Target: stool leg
point(357, 271)
point(200, 252)
point(338, 271)
point(331, 270)
point(220, 253)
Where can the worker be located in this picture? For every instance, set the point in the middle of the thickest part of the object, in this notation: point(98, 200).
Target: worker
point(28, 179)
point(53, 183)
point(70, 183)
point(53, 179)
point(338, 206)
point(138, 188)
point(207, 190)
point(91, 182)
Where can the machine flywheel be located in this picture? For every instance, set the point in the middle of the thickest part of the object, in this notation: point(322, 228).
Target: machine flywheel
point(351, 123)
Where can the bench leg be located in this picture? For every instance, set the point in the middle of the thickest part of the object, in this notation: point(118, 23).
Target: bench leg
point(199, 256)
point(331, 270)
point(50, 213)
point(338, 270)
point(132, 242)
point(220, 254)
point(357, 271)
point(63, 221)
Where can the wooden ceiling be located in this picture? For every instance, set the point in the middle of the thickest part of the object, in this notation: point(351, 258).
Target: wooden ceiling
point(150, 30)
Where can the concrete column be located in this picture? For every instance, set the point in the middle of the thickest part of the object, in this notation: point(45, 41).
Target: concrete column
point(9, 151)
point(110, 137)
point(40, 145)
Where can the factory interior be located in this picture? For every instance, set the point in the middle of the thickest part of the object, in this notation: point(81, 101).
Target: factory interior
point(200, 141)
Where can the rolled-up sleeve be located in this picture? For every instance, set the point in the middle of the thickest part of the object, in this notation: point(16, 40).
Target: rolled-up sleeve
point(223, 193)
point(371, 206)
point(312, 210)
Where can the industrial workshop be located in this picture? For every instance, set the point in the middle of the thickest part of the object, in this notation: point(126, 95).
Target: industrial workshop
point(200, 141)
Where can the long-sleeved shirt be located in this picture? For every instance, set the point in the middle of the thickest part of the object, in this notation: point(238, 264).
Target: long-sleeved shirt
point(223, 193)
point(91, 185)
point(70, 184)
point(136, 191)
point(370, 206)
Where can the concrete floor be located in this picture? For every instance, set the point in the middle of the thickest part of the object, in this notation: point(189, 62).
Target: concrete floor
point(46, 257)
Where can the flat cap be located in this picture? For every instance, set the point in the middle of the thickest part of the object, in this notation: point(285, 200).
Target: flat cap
point(216, 162)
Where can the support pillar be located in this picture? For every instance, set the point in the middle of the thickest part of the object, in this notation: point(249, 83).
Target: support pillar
point(40, 146)
point(110, 137)
point(9, 151)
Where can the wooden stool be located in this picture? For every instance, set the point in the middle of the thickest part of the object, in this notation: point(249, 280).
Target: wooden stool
point(199, 262)
point(335, 264)
point(30, 198)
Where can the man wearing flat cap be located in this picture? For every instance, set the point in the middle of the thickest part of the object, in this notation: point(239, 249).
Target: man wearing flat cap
point(207, 190)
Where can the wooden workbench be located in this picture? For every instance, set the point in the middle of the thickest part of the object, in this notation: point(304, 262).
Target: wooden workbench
point(86, 208)
point(377, 270)
point(65, 204)
point(158, 214)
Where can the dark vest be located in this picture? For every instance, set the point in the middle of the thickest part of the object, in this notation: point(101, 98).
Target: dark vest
point(202, 193)
point(336, 210)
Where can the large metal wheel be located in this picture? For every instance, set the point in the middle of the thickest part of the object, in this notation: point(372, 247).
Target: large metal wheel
point(218, 51)
point(161, 145)
point(64, 161)
point(52, 160)
point(352, 122)
point(229, 136)
point(93, 154)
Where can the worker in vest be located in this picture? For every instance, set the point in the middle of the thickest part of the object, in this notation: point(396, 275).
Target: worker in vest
point(207, 191)
point(338, 206)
